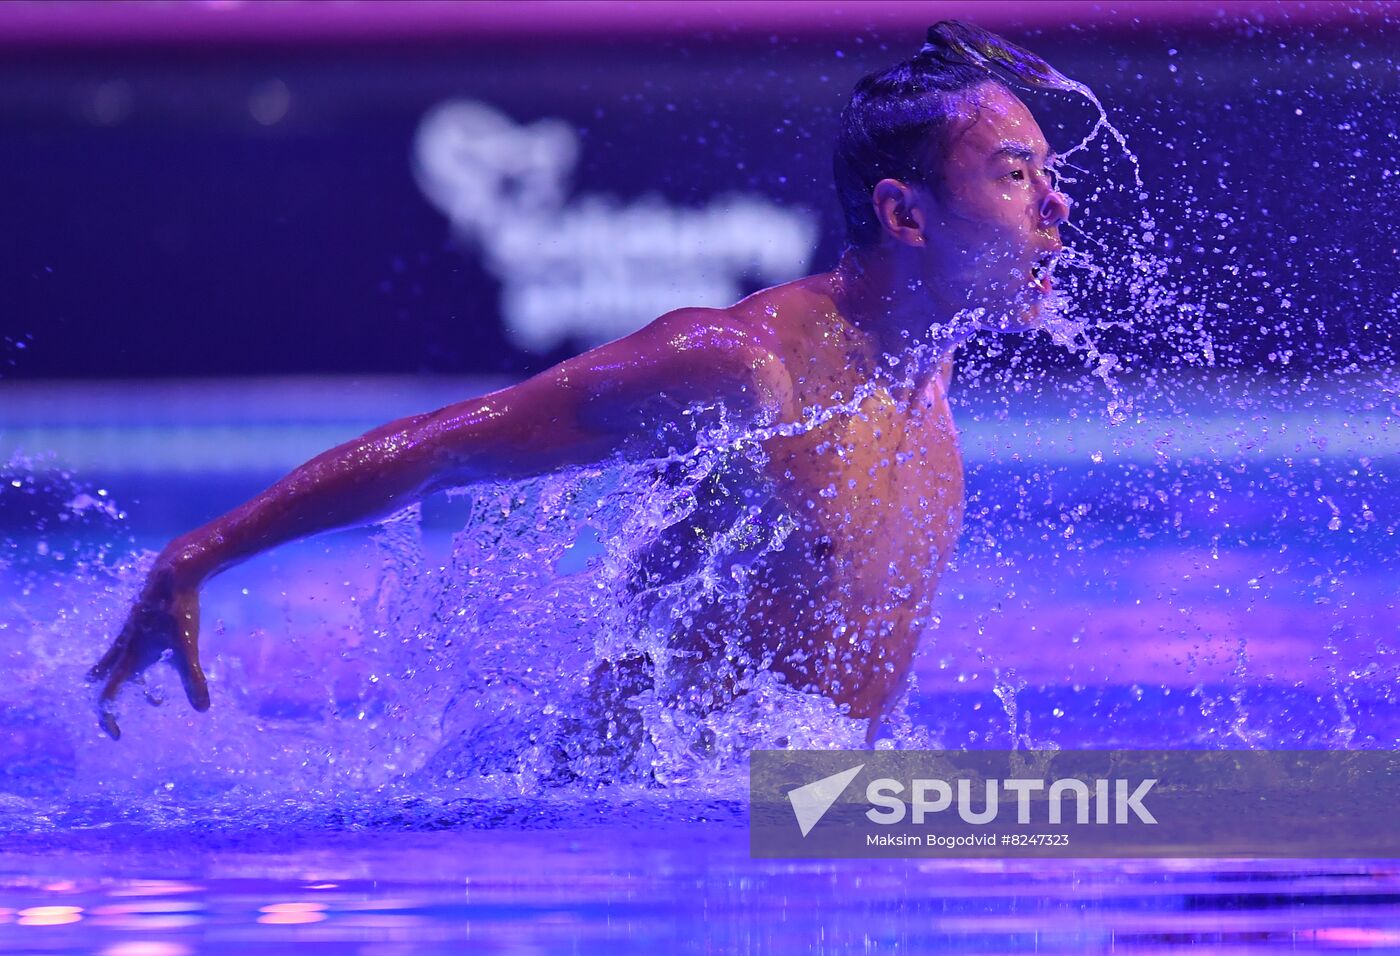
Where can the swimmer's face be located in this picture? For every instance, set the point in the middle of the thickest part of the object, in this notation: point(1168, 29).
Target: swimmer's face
point(992, 226)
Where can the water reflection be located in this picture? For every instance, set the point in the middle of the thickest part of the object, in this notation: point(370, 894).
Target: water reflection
point(690, 889)
point(146, 948)
point(49, 915)
point(288, 914)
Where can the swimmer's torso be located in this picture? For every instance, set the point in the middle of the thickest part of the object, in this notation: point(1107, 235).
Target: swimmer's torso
point(875, 502)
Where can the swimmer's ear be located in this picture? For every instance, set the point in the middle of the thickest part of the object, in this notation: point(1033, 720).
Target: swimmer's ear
point(899, 212)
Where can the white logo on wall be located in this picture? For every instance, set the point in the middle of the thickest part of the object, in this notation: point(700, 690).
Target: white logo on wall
point(592, 268)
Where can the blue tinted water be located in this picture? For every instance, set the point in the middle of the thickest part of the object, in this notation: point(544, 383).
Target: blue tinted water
point(624, 885)
point(297, 811)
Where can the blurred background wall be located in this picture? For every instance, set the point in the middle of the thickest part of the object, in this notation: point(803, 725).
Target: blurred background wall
point(233, 189)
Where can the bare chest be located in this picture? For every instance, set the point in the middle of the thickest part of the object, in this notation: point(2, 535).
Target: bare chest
point(876, 493)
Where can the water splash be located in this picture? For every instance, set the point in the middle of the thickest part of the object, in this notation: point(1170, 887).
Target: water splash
point(433, 695)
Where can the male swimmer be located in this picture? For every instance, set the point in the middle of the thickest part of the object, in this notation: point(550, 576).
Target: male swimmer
point(952, 220)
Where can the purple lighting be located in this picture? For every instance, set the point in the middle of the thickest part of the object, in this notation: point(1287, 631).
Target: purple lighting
point(286, 22)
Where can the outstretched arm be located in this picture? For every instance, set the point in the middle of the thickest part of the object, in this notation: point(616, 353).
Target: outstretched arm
point(580, 412)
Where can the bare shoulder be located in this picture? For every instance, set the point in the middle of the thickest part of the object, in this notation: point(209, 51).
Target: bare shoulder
point(741, 354)
point(734, 351)
point(767, 319)
point(712, 331)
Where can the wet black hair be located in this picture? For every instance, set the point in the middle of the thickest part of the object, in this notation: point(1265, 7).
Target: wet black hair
point(898, 118)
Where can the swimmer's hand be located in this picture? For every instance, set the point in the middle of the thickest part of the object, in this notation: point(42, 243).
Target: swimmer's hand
point(164, 618)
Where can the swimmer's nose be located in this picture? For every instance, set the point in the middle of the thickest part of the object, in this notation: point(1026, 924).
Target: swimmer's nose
point(1054, 209)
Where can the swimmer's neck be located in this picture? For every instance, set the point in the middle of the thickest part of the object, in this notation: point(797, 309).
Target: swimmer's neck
point(887, 296)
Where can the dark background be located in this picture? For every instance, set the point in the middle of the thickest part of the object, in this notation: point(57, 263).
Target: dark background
point(184, 238)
